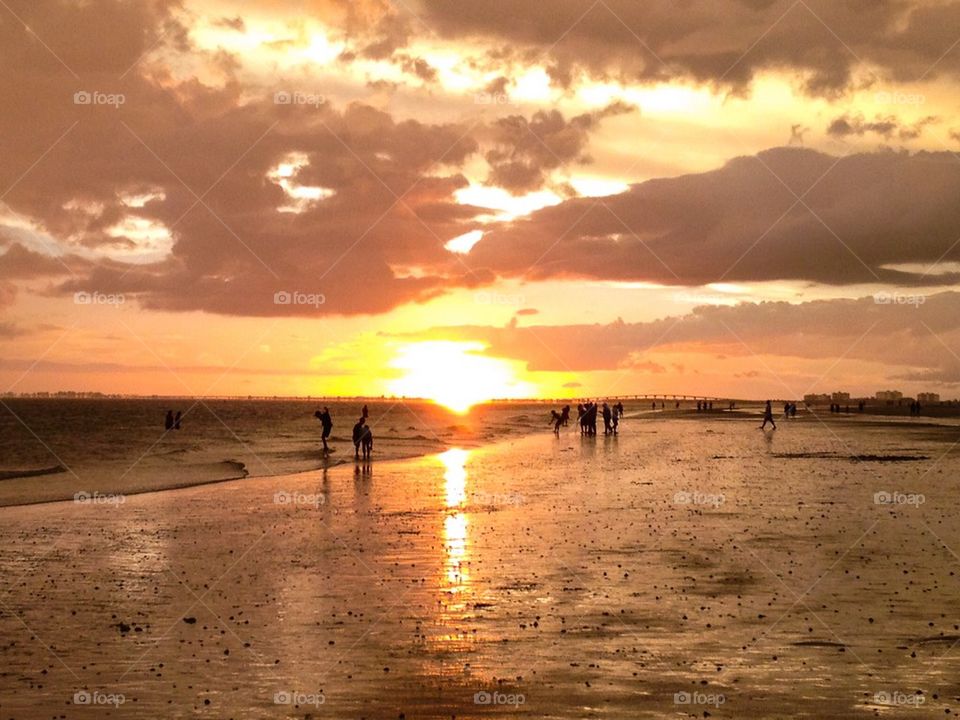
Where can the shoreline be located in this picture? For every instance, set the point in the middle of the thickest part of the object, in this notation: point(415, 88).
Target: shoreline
point(643, 415)
point(247, 475)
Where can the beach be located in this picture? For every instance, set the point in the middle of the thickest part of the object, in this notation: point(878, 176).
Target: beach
point(689, 567)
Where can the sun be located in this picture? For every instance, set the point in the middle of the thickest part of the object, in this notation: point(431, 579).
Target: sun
point(455, 374)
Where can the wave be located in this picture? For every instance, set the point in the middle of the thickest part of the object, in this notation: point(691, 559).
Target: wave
point(34, 472)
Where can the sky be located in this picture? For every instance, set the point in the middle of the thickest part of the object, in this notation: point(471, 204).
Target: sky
point(735, 198)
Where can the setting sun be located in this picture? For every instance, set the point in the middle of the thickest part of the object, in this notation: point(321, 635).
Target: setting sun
point(455, 375)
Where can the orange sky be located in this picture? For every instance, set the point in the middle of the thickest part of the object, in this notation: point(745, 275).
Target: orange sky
point(380, 198)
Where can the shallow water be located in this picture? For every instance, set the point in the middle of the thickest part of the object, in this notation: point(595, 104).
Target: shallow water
point(685, 567)
point(54, 448)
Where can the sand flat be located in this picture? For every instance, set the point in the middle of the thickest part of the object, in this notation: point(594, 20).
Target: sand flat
point(682, 568)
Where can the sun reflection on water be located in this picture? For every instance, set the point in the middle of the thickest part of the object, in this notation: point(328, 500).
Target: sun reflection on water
point(455, 475)
point(454, 582)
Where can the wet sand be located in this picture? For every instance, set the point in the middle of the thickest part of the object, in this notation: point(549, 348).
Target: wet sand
point(683, 569)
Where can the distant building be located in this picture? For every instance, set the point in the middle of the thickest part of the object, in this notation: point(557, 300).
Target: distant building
point(816, 398)
point(928, 398)
point(839, 397)
point(889, 395)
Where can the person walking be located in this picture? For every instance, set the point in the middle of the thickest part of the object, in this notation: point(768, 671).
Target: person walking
point(326, 423)
point(768, 417)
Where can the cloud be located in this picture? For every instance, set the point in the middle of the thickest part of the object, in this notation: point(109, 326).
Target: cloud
point(901, 331)
point(171, 197)
point(785, 214)
point(525, 151)
point(884, 126)
point(725, 42)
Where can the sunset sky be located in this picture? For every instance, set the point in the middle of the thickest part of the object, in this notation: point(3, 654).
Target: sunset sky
point(740, 198)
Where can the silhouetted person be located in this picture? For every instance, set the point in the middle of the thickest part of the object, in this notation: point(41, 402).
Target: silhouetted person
point(698, 406)
point(607, 416)
point(176, 421)
point(653, 405)
point(565, 415)
point(366, 442)
point(557, 420)
point(619, 408)
point(365, 412)
point(590, 418)
point(326, 422)
point(615, 421)
point(793, 410)
point(711, 405)
point(581, 411)
point(768, 417)
point(358, 436)
point(168, 421)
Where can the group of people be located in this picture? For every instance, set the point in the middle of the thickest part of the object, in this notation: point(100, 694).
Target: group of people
point(362, 434)
point(171, 421)
point(587, 418)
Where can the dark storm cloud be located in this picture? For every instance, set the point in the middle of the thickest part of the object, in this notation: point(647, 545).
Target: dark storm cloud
point(785, 214)
point(719, 41)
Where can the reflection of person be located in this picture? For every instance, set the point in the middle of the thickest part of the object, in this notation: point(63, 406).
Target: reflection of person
point(168, 421)
point(176, 421)
point(326, 422)
point(768, 417)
